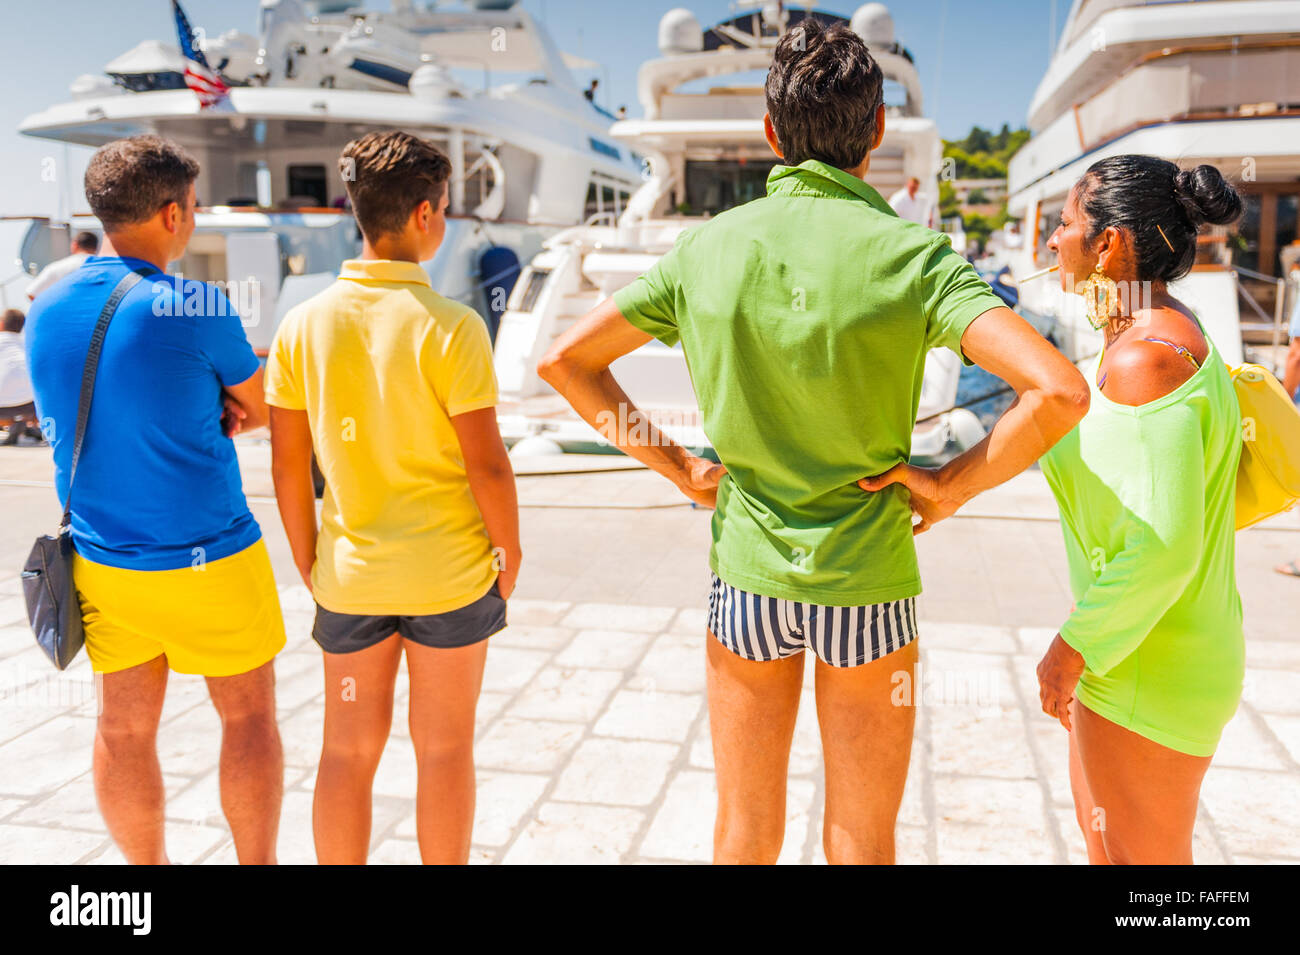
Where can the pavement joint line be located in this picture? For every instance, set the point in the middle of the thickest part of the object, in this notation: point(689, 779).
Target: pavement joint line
point(1050, 816)
point(929, 803)
point(1278, 747)
point(681, 760)
point(530, 814)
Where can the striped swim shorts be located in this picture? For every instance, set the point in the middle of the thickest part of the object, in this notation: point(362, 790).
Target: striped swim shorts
point(769, 628)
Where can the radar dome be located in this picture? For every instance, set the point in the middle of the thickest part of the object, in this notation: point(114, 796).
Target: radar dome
point(432, 81)
point(679, 32)
point(873, 23)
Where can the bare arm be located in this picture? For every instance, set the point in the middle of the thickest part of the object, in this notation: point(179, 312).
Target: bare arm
point(577, 366)
point(1051, 397)
point(492, 482)
point(294, 494)
point(245, 406)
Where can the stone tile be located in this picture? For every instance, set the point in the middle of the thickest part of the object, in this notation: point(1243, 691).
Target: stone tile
point(503, 802)
point(532, 637)
point(566, 693)
point(974, 741)
point(604, 649)
point(1245, 746)
point(527, 745)
point(619, 772)
point(990, 821)
point(1273, 655)
point(1254, 810)
point(10, 806)
point(396, 775)
point(592, 616)
point(542, 613)
point(1035, 640)
point(1272, 691)
point(396, 852)
point(673, 662)
point(186, 845)
point(647, 714)
point(968, 636)
point(47, 756)
point(191, 742)
point(576, 835)
point(1286, 729)
point(489, 707)
point(691, 621)
point(41, 845)
point(508, 668)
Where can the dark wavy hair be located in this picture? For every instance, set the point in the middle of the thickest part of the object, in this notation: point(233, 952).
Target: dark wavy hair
point(1146, 195)
point(823, 89)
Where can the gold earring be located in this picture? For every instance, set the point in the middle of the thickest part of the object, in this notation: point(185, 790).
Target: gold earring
point(1100, 297)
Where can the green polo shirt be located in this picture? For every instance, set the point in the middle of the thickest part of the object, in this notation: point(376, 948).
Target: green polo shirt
point(805, 317)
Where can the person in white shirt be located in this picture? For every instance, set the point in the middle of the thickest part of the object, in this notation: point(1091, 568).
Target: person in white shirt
point(909, 203)
point(17, 406)
point(84, 246)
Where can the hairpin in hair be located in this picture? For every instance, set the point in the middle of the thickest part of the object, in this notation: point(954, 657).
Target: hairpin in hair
point(1165, 237)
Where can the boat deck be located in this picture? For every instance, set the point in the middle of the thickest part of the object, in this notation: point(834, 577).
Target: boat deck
point(593, 738)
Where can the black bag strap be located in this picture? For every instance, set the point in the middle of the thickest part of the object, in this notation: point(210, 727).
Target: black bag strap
point(88, 372)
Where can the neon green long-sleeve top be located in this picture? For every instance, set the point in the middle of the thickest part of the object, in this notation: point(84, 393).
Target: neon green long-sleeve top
point(1147, 501)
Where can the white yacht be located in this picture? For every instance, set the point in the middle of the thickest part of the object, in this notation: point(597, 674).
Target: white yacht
point(530, 154)
point(1210, 81)
point(705, 153)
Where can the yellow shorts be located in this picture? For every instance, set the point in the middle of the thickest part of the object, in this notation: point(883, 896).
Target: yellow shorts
point(221, 620)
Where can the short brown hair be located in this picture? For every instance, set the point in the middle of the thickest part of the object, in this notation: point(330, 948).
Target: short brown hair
point(13, 320)
point(129, 180)
point(387, 175)
point(823, 90)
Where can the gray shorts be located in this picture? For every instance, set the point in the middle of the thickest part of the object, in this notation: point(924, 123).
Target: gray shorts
point(347, 632)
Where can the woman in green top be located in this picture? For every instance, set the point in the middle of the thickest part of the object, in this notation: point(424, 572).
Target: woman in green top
point(1152, 654)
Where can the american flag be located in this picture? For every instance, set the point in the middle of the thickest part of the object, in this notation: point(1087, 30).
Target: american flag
point(199, 77)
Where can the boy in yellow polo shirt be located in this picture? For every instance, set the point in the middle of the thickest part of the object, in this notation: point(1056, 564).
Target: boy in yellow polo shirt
point(392, 386)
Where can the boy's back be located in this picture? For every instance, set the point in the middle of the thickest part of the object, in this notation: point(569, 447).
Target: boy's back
point(381, 362)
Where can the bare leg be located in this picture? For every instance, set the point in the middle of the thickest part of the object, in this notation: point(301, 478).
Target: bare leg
point(358, 716)
point(867, 743)
point(752, 710)
point(128, 780)
point(1091, 819)
point(444, 694)
point(252, 761)
point(1148, 792)
point(1291, 379)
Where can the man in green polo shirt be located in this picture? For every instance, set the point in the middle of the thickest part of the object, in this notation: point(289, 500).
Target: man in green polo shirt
point(805, 318)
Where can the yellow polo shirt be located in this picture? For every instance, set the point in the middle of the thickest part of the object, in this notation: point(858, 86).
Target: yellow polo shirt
point(381, 362)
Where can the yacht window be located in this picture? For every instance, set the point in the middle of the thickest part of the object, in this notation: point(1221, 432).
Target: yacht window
point(308, 182)
point(534, 282)
point(716, 185)
point(592, 206)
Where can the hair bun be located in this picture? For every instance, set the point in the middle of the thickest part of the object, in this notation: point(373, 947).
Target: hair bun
point(1206, 196)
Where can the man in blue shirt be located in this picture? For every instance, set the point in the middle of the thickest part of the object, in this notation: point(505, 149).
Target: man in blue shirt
point(171, 570)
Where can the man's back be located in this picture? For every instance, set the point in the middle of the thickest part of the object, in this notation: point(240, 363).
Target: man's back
point(158, 484)
point(805, 317)
point(380, 363)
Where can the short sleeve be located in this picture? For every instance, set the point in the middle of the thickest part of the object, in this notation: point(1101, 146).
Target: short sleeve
point(650, 301)
point(221, 337)
point(284, 387)
point(953, 296)
point(463, 378)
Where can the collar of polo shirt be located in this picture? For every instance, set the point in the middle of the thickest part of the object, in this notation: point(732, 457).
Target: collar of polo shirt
point(384, 270)
point(815, 178)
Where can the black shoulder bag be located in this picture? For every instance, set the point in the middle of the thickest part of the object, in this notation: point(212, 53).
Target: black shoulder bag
point(51, 595)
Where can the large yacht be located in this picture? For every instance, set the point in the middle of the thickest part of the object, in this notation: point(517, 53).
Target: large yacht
point(1212, 81)
point(702, 136)
point(530, 153)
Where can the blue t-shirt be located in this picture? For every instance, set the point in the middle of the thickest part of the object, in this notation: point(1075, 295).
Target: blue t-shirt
point(158, 484)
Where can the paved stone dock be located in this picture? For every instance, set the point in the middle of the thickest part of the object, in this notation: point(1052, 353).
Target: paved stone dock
point(593, 740)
